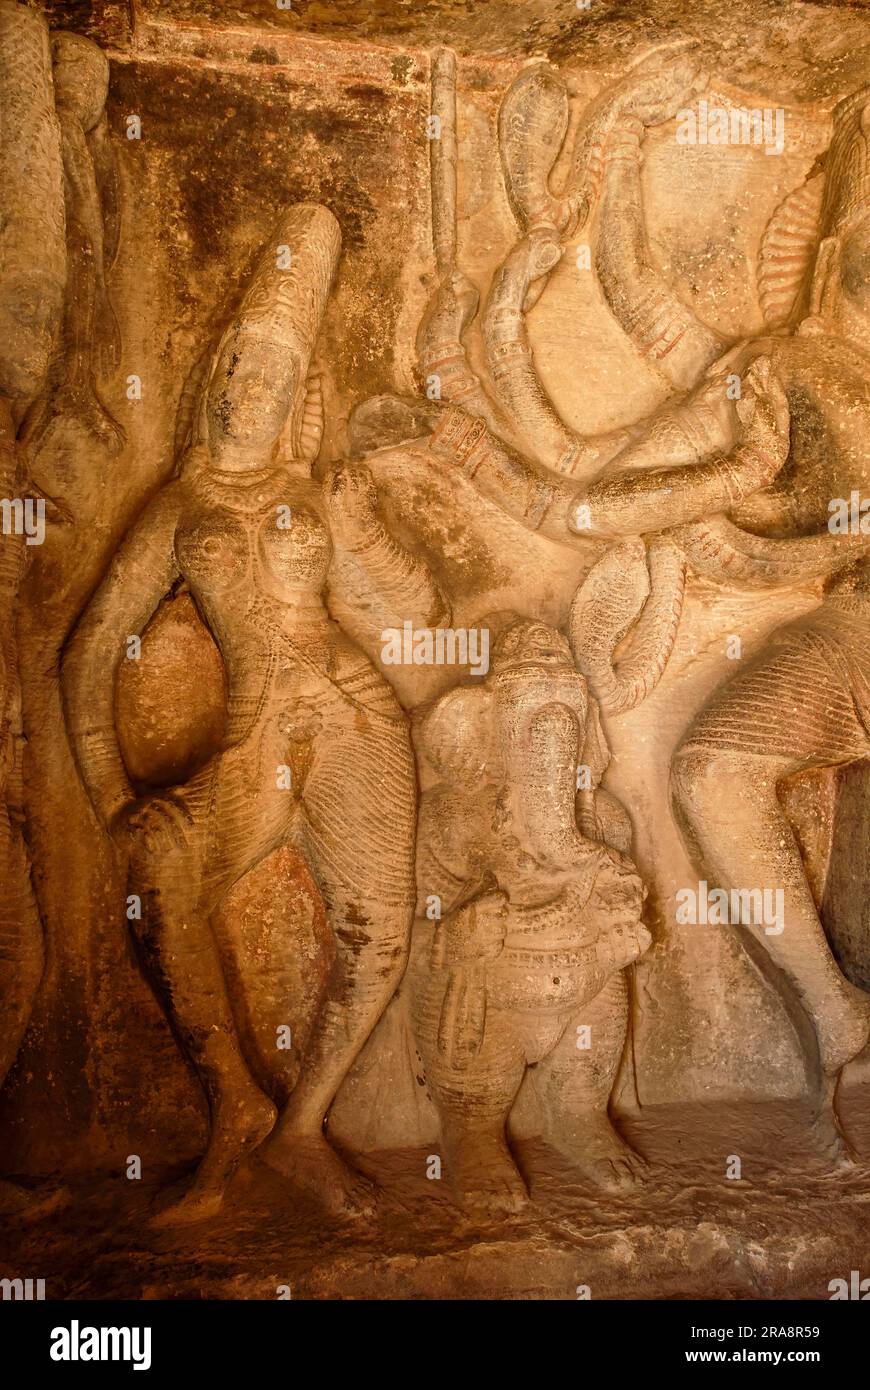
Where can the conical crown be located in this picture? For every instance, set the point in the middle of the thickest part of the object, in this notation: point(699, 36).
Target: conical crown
point(847, 165)
point(286, 298)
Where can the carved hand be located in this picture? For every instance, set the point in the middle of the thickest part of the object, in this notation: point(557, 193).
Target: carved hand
point(351, 499)
point(452, 308)
point(764, 416)
point(661, 85)
point(161, 823)
point(544, 254)
point(616, 902)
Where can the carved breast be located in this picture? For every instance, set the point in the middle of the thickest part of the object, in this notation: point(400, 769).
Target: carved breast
point(214, 553)
point(295, 547)
point(280, 547)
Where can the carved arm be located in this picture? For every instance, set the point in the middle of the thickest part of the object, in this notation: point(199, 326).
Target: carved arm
point(537, 498)
point(630, 503)
point(140, 574)
point(661, 326)
point(403, 584)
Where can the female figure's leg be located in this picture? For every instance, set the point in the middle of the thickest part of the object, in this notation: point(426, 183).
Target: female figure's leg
point(188, 849)
point(358, 828)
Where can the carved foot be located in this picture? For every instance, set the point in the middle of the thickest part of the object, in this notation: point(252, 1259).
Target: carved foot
point(485, 1178)
point(314, 1167)
point(600, 1155)
point(238, 1127)
point(827, 1135)
point(77, 404)
point(197, 1204)
point(829, 1141)
point(843, 1028)
point(81, 404)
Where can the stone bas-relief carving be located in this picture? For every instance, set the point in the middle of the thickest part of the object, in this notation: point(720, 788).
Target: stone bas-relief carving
point(757, 471)
point(31, 304)
point(80, 78)
point(316, 747)
point(58, 229)
point(523, 968)
point(437, 703)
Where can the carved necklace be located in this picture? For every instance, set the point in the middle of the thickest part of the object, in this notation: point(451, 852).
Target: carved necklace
point(240, 491)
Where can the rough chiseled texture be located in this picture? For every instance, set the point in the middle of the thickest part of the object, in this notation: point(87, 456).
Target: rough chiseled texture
point(433, 780)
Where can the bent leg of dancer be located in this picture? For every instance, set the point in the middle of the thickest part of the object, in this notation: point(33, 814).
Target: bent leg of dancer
point(186, 856)
point(727, 802)
point(360, 801)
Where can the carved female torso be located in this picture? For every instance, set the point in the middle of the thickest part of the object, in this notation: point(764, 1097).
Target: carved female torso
point(256, 552)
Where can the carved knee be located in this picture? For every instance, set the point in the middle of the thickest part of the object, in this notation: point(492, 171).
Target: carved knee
point(697, 777)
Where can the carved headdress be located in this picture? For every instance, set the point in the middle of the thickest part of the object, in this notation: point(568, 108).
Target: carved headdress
point(286, 297)
point(283, 306)
point(825, 206)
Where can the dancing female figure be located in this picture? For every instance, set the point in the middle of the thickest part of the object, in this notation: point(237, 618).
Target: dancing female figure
point(317, 749)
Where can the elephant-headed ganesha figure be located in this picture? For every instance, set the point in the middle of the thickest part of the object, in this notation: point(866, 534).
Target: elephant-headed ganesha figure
point(734, 488)
point(523, 981)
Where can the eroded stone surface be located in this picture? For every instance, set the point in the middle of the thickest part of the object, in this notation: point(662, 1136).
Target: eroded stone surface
point(438, 703)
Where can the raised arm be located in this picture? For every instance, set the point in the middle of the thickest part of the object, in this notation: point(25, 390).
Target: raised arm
point(663, 480)
point(140, 574)
point(630, 503)
point(536, 422)
point(532, 495)
point(442, 354)
point(663, 328)
point(401, 586)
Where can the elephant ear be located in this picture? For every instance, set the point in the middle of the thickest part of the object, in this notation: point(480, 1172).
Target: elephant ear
point(532, 124)
point(455, 735)
point(787, 248)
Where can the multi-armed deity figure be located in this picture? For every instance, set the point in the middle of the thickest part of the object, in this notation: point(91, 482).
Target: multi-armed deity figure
point(526, 966)
point(317, 751)
point(737, 490)
point(805, 700)
point(33, 273)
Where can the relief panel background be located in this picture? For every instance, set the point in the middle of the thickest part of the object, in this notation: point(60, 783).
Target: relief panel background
point(235, 122)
